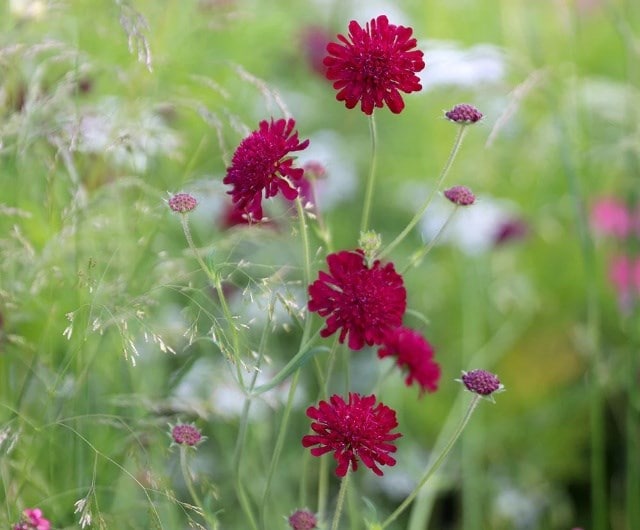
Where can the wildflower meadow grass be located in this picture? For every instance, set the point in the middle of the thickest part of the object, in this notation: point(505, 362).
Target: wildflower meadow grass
point(364, 265)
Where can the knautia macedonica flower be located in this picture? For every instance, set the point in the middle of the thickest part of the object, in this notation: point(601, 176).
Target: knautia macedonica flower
point(460, 195)
point(32, 520)
point(182, 202)
point(481, 382)
point(303, 520)
point(374, 64)
point(186, 434)
point(262, 164)
point(415, 355)
point(357, 430)
point(464, 114)
point(362, 302)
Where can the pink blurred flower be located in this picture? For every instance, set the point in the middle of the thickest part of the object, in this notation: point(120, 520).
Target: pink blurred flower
point(314, 40)
point(611, 217)
point(35, 520)
point(512, 229)
point(624, 274)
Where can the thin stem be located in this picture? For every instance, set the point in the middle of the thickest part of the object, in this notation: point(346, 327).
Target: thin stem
point(305, 240)
point(278, 447)
point(598, 466)
point(368, 198)
point(443, 173)
point(632, 485)
point(186, 475)
point(242, 431)
point(436, 464)
point(418, 256)
point(323, 487)
point(217, 284)
point(340, 503)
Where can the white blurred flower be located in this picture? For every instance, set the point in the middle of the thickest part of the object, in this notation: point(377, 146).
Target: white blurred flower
point(34, 9)
point(448, 64)
point(129, 138)
point(363, 12)
point(474, 229)
point(521, 510)
point(340, 181)
point(209, 388)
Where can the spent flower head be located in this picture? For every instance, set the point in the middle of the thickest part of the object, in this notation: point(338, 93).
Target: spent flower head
point(460, 195)
point(182, 202)
point(363, 302)
point(374, 64)
point(464, 114)
point(303, 520)
point(262, 164)
point(415, 355)
point(357, 430)
point(186, 434)
point(481, 382)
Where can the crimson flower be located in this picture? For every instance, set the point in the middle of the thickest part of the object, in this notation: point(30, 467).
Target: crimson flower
point(363, 302)
point(415, 354)
point(374, 64)
point(262, 162)
point(353, 431)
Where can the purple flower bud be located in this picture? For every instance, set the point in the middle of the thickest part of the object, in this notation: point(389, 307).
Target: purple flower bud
point(464, 114)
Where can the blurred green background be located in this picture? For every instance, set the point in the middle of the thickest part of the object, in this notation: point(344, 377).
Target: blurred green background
point(108, 330)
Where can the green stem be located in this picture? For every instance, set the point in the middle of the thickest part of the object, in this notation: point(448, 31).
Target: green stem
point(242, 431)
point(340, 503)
point(217, 284)
point(632, 485)
point(192, 490)
point(436, 464)
point(368, 198)
point(418, 256)
point(598, 467)
point(323, 487)
point(443, 173)
point(294, 384)
point(278, 447)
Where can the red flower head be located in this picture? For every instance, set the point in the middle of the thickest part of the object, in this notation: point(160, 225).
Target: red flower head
point(262, 162)
point(374, 65)
point(353, 431)
point(415, 354)
point(364, 302)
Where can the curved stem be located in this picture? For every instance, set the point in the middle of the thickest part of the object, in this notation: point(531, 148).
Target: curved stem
point(217, 284)
point(417, 257)
point(340, 503)
point(186, 475)
point(368, 198)
point(443, 173)
point(436, 464)
point(240, 442)
point(278, 448)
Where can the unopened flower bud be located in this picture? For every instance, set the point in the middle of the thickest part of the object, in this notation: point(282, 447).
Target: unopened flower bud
point(460, 195)
point(182, 202)
point(464, 114)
